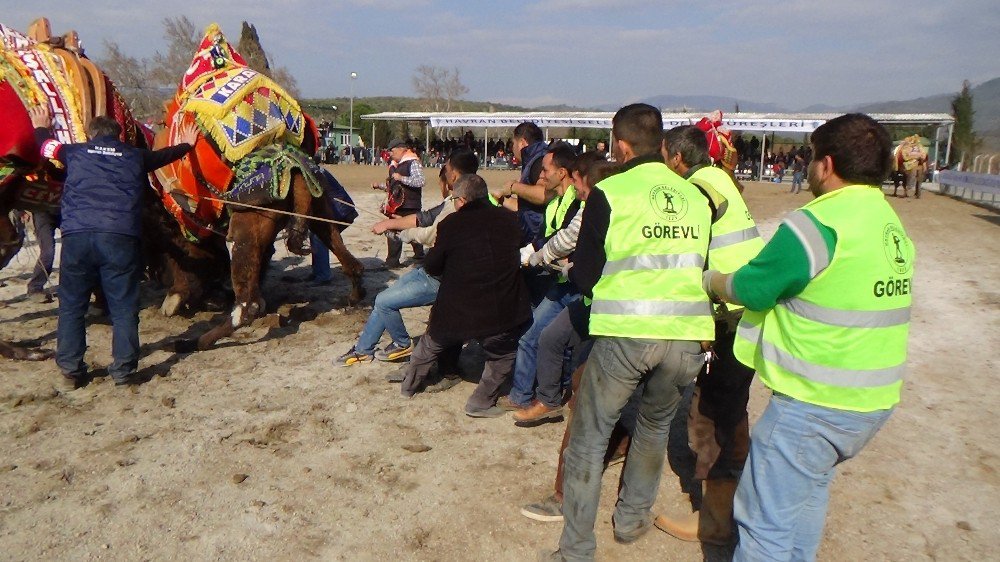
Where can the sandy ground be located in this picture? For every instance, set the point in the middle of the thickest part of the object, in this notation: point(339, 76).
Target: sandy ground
point(261, 449)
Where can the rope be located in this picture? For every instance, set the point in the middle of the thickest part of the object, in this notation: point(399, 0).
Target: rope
point(289, 213)
point(379, 215)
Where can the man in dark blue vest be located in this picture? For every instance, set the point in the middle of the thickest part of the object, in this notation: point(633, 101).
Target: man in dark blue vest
point(101, 205)
point(530, 147)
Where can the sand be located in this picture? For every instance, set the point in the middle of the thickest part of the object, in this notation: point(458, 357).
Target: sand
point(261, 449)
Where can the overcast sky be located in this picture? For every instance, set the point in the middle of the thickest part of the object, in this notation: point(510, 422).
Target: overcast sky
point(794, 53)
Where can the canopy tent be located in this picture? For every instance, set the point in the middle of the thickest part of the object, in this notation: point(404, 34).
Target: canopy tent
point(751, 122)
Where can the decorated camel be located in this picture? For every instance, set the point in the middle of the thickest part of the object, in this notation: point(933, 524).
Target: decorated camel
point(250, 173)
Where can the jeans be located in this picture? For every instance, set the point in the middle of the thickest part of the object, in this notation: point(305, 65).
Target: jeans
point(796, 182)
point(89, 259)
point(45, 233)
point(413, 288)
point(554, 302)
point(781, 501)
point(615, 368)
point(553, 342)
point(320, 260)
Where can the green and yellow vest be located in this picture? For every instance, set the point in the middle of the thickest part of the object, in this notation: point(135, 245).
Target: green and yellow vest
point(735, 240)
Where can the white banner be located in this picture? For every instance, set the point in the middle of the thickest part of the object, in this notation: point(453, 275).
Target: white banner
point(669, 122)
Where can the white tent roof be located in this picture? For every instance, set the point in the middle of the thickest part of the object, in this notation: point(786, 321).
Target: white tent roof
point(783, 122)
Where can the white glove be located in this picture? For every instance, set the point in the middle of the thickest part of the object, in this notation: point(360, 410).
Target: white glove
point(405, 236)
point(536, 259)
point(526, 253)
point(564, 270)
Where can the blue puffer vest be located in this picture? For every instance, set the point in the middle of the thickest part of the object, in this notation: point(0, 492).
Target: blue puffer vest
point(104, 187)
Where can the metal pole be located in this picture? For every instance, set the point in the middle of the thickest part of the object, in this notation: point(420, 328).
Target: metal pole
point(372, 147)
point(937, 144)
point(350, 135)
point(947, 151)
point(763, 146)
point(486, 140)
point(427, 137)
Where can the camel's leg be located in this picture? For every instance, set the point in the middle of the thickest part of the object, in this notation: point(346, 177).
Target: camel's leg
point(330, 235)
point(252, 233)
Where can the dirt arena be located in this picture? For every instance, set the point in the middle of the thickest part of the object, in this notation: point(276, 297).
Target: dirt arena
point(261, 449)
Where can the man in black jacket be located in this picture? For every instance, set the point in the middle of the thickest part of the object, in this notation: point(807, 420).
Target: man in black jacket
point(101, 205)
point(482, 294)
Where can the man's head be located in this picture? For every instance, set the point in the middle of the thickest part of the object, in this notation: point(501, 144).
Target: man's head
point(848, 150)
point(461, 161)
point(397, 148)
point(103, 127)
point(469, 188)
point(638, 130)
point(524, 134)
point(684, 148)
point(557, 168)
point(602, 147)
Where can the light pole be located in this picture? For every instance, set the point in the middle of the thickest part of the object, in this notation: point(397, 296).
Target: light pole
point(350, 136)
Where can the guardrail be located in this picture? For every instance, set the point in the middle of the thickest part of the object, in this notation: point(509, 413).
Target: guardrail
point(966, 185)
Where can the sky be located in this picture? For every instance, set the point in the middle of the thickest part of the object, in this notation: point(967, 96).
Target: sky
point(794, 53)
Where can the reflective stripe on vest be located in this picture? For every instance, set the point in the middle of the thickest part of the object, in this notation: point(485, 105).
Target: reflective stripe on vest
point(723, 240)
point(854, 378)
point(671, 261)
point(848, 318)
point(653, 308)
point(812, 241)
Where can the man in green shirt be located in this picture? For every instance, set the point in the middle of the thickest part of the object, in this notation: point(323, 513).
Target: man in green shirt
point(827, 321)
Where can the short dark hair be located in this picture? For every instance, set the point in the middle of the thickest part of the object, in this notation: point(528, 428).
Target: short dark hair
point(463, 161)
point(690, 142)
point(640, 125)
point(529, 132)
point(563, 156)
point(601, 170)
point(859, 147)
point(103, 127)
point(470, 187)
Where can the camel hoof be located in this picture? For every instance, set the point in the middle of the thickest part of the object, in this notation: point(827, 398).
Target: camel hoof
point(171, 304)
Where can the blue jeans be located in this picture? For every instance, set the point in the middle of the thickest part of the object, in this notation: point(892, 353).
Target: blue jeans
point(614, 369)
point(413, 288)
point(111, 261)
point(558, 297)
point(320, 259)
point(780, 504)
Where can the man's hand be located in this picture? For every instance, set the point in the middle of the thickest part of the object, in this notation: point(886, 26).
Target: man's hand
point(536, 259)
point(404, 236)
point(40, 116)
point(381, 226)
point(526, 253)
point(187, 133)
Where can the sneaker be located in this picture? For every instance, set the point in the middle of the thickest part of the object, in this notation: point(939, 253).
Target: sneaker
point(548, 510)
point(393, 352)
point(352, 357)
point(508, 405)
point(491, 412)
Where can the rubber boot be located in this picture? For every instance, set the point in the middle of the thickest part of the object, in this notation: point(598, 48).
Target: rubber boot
point(713, 524)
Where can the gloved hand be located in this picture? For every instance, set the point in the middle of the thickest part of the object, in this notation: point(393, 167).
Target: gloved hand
point(564, 270)
point(526, 253)
point(392, 234)
point(405, 236)
point(536, 259)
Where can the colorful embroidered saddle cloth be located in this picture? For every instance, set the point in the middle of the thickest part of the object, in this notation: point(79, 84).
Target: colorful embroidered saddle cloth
point(238, 112)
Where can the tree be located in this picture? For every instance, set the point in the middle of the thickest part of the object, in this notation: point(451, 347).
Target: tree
point(965, 142)
point(251, 49)
point(436, 85)
point(131, 76)
point(182, 42)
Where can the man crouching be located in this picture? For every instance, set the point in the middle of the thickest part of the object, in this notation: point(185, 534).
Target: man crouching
point(482, 294)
